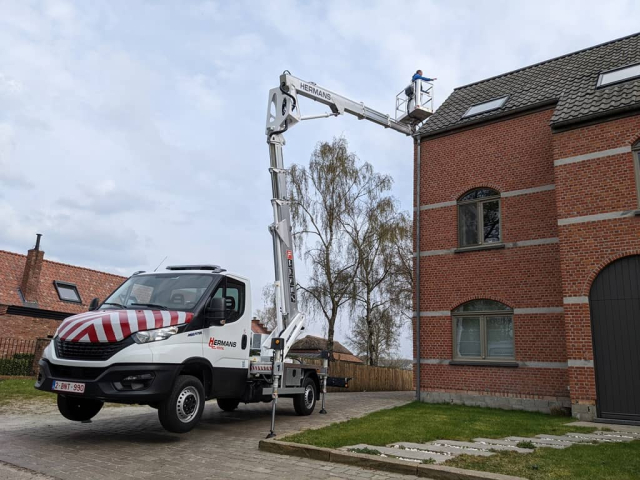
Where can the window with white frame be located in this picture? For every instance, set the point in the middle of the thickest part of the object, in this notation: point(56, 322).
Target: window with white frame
point(619, 75)
point(483, 330)
point(479, 218)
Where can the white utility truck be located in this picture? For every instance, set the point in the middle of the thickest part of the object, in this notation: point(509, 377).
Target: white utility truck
point(176, 338)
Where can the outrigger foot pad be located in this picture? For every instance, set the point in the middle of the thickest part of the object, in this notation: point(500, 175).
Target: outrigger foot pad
point(323, 412)
point(271, 434)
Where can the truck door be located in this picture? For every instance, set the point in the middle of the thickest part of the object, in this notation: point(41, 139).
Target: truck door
point(227, 346)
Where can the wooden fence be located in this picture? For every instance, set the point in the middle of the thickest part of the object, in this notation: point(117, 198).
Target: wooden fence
point(365, 378)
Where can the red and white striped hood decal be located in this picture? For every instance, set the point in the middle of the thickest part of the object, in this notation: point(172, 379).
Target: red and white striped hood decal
point(114, 325)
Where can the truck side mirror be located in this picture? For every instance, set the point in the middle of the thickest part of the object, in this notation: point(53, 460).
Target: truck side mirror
point(95, 303)
point(215, 312)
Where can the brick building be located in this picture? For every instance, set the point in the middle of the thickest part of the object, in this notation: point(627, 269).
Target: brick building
point(528, 187)
point(37, 294)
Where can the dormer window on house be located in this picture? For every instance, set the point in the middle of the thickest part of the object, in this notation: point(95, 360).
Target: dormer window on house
point(619, 75)
point(68, 292)
point(485, 107)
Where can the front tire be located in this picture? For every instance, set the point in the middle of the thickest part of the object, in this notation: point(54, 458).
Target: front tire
point(182, 409)
point(78, 409)
point(304, 403)
point(228, 404)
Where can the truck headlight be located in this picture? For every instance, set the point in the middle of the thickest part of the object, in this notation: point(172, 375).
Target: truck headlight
point(154, 335)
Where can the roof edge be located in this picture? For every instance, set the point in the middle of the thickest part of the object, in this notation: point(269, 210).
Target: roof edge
point(66, 264)
point(595, 118)
point(517, 112)
point(549, 60)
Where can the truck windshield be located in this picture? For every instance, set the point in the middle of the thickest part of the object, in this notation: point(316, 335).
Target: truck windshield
point(162, 291)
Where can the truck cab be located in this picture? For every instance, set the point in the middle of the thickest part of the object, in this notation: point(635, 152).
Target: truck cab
point(170, 339)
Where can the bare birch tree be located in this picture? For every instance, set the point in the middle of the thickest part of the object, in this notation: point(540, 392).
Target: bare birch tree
point(322, 197)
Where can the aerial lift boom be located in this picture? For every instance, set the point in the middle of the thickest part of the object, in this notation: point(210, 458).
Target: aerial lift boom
point(283, 113)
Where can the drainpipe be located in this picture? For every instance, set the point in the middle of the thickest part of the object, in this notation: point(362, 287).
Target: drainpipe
point(417, 276)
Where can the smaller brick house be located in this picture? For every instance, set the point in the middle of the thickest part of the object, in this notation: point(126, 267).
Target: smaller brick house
point(37, 294)
point(315, 345)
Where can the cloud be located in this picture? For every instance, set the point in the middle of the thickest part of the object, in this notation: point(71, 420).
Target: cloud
point(10, 174)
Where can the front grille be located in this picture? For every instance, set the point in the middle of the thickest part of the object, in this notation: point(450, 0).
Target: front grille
point(89, 351)
point(75, 373)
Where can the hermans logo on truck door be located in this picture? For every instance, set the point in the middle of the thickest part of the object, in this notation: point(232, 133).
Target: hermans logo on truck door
point(315, 91)
point(218, 344)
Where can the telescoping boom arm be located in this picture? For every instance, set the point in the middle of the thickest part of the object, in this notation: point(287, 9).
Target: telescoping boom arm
point(283, 113)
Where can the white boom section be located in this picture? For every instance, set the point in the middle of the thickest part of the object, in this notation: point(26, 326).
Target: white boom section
point(283, 115)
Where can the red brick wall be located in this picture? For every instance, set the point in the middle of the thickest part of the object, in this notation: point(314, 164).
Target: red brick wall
point(515, 154)
point(509, 155)
point(26, 328)
point(590, 187)
point(496, 381)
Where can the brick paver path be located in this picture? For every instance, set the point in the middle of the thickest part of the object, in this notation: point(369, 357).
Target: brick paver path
point(129, 442)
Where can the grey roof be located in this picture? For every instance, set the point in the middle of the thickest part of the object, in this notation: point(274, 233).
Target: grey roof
point(569, 80)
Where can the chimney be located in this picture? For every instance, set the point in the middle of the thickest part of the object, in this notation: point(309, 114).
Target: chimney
point(31, 275)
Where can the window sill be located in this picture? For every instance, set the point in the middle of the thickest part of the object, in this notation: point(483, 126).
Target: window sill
point(485, 363)
point(488, 246)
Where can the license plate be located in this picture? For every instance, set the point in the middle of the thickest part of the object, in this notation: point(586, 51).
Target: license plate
point(68, 387)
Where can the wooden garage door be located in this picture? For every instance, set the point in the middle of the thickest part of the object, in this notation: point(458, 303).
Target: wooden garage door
point(615, 321)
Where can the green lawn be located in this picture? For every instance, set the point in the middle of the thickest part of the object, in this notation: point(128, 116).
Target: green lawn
point(15, 389)
point(420, 423)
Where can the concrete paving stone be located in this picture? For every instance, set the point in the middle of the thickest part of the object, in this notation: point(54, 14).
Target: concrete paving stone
point(547, 442)
point(410, 454)
point(447, 447)
point(484, 446)
point(495, 441)
point(563, 438)
point(600, 438)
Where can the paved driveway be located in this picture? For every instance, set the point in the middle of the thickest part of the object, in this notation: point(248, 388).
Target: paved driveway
point(128, 442)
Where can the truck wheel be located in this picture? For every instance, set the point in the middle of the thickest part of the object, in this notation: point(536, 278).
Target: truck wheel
point(78, 409)
point(228, 404)
point(304, 403)
point(182, 409)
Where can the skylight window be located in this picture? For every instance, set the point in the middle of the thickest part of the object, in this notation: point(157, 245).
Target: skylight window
point(67, 292)
point(485, 107)
point(619, 75)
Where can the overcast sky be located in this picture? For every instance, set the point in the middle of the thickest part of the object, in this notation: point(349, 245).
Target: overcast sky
point(132, 130)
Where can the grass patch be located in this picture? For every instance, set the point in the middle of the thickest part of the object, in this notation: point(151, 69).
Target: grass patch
point(429, 461)
point(526, 444)
point(606, 461)
point(15, 389)
point(422, 422)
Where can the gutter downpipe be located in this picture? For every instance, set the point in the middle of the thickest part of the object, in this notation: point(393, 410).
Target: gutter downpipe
point(417, 275)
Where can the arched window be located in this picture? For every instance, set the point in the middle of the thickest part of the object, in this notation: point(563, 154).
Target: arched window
point(483, 330)
point(479, 217)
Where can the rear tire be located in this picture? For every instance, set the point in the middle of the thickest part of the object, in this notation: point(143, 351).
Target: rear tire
point(304, 403)
point(182, 409)
point(228, 404)
point(78, 409)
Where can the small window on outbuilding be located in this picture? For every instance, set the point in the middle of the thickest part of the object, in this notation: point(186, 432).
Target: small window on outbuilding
point(68, 292)
point(619, 75)
point(483, 330)
point(485, 107)
point(479, 217)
